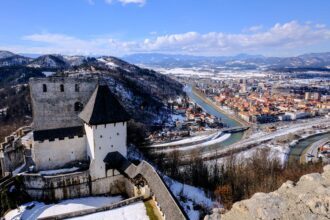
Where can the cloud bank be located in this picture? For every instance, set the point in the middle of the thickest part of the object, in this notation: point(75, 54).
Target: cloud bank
point(290, 36)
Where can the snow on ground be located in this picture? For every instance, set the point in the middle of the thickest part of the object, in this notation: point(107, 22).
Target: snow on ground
point(135, 211)
point(59, 171)
point(42, 210)
point(217, 140)
point(187, 140)
point(175, 118)
point(193, 196)
point(276, 152)
point(108, 62)
point(185, 71)
point(18, 170)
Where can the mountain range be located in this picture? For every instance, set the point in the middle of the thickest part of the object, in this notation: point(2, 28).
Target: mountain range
point(240, 61)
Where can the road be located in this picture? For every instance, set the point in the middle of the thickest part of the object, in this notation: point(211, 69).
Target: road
point(257, 139)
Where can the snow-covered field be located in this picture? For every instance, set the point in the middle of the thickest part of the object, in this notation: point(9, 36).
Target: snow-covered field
point(135, 211)
point(187, 140)
point(215, 140)
point(209, 73)
point(42, 210)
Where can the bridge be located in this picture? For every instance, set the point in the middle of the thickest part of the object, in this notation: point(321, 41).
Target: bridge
point(235, 129)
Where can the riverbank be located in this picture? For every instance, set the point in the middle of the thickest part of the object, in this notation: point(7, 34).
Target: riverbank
point(240, 121)
point(299, 148)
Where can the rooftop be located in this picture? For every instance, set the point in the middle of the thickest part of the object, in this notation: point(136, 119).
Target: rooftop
point(103, 108)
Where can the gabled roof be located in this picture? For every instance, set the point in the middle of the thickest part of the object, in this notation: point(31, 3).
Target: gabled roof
point(103, 108)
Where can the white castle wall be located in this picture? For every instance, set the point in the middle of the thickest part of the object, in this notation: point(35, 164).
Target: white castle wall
point(55, 154)
point(103, 139)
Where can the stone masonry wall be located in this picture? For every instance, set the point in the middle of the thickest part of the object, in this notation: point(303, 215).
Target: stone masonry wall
point(55, 108)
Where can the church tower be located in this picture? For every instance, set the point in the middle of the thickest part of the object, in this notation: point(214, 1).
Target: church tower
point(105, 123)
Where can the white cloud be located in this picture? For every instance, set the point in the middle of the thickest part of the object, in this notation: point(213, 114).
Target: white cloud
point(281, 38)
point(253, 28)
point(125, 2)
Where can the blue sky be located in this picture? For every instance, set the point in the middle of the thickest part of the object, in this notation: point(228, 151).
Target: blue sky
point(199, 27)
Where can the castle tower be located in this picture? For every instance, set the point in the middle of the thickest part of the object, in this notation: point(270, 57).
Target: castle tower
point(105, 123)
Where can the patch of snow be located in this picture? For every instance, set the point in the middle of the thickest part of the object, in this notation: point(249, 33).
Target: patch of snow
point(42, 210)
point(216, 140)
point(108, 62)
point(175, 117)
point(187, 140)
point(135, 211)
point(59, 171)
point(192, 195)
point(18, 170)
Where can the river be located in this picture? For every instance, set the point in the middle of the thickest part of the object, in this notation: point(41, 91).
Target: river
point(235, 137)
point(297, 150)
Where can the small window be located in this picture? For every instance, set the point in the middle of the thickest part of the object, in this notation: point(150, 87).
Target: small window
point(100, 136)
point(44, 87)
point(117, 133)
point(78, 107)
point(76, 87)
point(62, 88)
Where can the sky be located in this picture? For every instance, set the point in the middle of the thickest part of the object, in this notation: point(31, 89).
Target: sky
point(196, 27)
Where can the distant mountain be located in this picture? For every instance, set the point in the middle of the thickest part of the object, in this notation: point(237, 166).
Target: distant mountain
point(241, 61)
point(49, 61)
point(5, 54)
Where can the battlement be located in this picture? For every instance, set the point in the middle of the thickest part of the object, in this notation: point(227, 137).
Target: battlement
point(12, 150)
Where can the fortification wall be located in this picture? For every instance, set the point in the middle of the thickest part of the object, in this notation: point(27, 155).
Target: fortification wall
point(12, 151)
point(71, 185)
point(52, 188)
point(54, 98)
point(48, 155)
point(161, 194)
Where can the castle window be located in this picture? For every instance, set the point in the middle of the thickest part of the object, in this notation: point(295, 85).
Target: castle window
point(118, 133)
point(62, 88)
point(78, 107)
point(44, 87)
point(76, 87)
point(100, 136)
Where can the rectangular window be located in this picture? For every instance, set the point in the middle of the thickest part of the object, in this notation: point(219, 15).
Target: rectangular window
point(44, 87)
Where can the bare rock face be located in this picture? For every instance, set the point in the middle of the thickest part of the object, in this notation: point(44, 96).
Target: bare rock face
point(308, 199)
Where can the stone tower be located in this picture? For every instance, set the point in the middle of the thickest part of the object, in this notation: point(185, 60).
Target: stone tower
point(105, 122)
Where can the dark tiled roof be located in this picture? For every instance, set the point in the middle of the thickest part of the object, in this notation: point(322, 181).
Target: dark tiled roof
point(103, 108)
point(59, 133)
point(115, 160)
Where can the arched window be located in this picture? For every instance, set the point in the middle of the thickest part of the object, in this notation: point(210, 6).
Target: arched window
point(62, 88)
point(76, 87)
point(44, 87)
point(78, 107)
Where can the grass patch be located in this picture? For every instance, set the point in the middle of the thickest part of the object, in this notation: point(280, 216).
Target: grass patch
point(151, 210)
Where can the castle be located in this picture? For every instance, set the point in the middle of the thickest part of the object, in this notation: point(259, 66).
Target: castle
point(79, 126)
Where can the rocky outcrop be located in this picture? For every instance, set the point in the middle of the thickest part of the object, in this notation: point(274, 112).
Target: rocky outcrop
point(309, 198)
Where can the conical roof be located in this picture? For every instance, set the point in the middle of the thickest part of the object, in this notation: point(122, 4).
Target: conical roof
point(103, 108)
